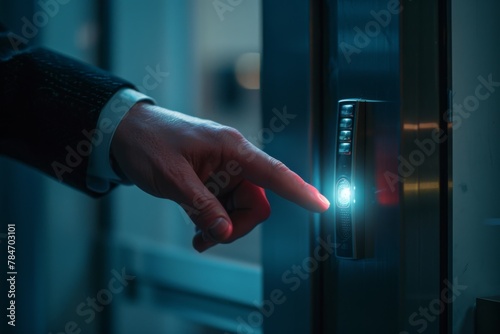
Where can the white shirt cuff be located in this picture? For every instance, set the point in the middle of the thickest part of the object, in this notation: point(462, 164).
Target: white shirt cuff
point(99, 171)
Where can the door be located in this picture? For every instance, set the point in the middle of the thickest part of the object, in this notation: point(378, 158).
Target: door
point(395, 53)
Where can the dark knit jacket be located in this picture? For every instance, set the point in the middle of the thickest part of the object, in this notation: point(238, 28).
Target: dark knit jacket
point(48, 103)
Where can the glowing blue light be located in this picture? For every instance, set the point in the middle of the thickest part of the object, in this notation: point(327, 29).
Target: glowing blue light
point(343, 193)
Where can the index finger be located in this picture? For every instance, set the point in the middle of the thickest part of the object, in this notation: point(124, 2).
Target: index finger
point(268, 172)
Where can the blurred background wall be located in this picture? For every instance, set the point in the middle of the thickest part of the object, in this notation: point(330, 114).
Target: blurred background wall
point(476, 157)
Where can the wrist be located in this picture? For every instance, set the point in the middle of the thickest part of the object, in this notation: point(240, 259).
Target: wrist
point(126, 129)
point(103, 168)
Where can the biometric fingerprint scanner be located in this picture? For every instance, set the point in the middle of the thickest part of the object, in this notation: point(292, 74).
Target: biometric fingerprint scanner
point(345, 123)
point(350, 171)
point(343, 193)
point(347, 110)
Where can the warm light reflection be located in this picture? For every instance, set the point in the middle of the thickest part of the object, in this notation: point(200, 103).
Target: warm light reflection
point(423, 186)
point(248, 70)
point(420, 186)
point(420, 126)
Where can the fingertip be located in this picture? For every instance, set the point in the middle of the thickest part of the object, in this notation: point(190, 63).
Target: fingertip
point(324, 201)
point(321, 203)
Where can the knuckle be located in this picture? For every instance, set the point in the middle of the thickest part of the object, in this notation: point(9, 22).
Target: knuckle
point(230, 138)
point(277, 166)
point(231, 135)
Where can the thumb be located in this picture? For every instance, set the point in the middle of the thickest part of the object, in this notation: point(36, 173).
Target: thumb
point(204, 209)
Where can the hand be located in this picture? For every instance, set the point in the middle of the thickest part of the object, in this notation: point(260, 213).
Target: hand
point(211, 170)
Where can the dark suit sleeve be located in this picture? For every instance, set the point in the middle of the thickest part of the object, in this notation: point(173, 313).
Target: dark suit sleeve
point(48, 106)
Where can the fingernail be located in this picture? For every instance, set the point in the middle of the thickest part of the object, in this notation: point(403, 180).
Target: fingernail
point(324, 200)
point(218, 230)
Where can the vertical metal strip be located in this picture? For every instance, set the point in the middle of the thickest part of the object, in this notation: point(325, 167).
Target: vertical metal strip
point(103, 17)
point(317, 19)
point(445, 158)
point(425, 236)
point(104, 206)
